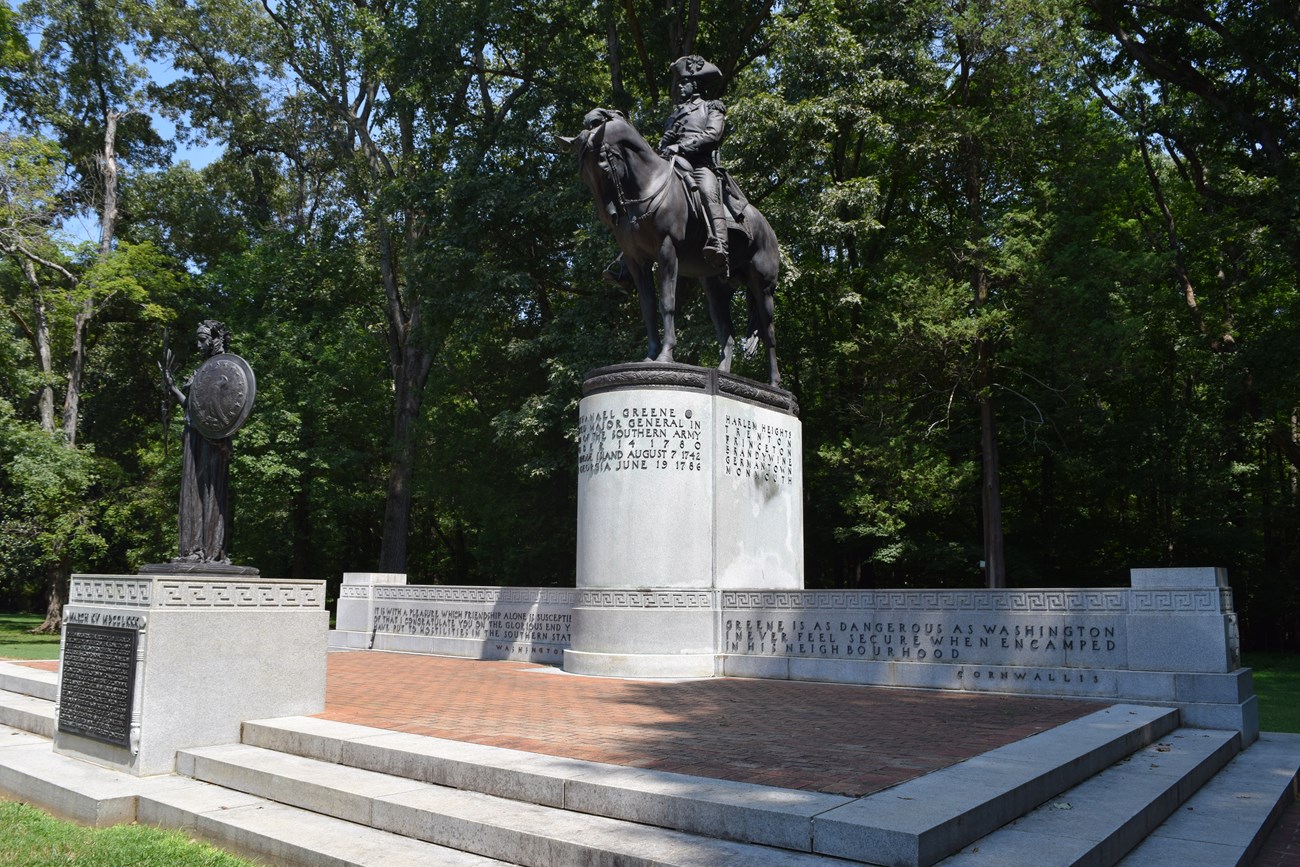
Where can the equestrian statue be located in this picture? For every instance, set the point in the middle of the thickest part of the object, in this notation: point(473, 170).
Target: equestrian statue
point(675, 207)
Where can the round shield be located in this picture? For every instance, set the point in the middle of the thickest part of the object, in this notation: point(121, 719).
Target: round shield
point(221, 395)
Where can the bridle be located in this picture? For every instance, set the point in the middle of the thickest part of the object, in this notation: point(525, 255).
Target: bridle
point(606, 158)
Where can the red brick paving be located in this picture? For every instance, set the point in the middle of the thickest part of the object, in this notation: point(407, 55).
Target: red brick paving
point(826, 737)
point(42, 664)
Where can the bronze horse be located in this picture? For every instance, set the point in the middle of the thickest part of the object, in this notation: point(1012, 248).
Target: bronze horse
point(645, 203)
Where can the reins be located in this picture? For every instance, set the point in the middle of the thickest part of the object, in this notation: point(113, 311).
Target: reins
point(621, 202)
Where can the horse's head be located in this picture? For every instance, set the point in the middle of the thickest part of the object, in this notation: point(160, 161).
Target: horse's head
point(592, 136)
point(613, 160)
point(599, 158)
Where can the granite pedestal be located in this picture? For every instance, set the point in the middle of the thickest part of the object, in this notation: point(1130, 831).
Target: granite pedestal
point(155, 663)
point(689, 481)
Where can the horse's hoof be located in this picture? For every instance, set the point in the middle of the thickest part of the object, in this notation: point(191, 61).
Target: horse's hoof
point(647, 360)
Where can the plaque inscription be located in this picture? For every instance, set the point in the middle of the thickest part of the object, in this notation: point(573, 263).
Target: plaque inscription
point(97, 682)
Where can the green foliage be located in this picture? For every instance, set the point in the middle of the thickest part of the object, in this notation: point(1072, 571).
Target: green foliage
point(976, 202)
point(35, 839)
point(50, 516)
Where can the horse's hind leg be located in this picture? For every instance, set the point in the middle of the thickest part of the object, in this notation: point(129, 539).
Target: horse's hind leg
point(645, 290)
point(762, 315)
point(719, 294)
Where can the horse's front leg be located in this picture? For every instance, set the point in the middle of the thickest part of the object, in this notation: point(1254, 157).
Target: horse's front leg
point(668, 297)
point(718, 292)
point(643, 277)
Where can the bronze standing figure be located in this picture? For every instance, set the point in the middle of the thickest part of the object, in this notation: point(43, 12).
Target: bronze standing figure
point(216, 400)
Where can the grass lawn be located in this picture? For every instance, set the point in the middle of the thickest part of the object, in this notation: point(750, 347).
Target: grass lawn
point(17, 643)
point(1277, 683)
point(31, 838)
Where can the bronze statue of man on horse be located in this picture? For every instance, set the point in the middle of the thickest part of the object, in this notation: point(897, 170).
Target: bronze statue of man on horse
point(673, 206)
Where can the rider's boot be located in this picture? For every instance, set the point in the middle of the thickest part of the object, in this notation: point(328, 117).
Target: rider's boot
point(715, 249)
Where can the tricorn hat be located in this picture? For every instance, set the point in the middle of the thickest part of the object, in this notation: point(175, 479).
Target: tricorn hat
point(696, 67)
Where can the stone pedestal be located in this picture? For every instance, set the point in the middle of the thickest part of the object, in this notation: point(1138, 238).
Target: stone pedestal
point(689, 481)
point(152, 664)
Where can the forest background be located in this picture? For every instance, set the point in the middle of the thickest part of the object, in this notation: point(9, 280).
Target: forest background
point(1039, 304)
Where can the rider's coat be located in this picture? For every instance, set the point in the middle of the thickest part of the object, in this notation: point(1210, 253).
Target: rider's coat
point(696, 127)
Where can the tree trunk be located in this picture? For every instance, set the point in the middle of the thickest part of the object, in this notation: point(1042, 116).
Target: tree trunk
point(56, 577)
point(397, 506)
point(81, 321)
point(991, 494)
point(994, 563)
point(41, 344)
point(76, 366)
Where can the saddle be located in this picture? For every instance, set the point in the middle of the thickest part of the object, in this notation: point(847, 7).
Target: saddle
point(733, 199)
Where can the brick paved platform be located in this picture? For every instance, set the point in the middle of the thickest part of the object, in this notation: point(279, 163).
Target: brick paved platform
point(825, 737)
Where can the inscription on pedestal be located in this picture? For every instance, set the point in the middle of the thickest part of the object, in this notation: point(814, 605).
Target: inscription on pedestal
point(758, 449)
point(97, 682)
point(645, 437)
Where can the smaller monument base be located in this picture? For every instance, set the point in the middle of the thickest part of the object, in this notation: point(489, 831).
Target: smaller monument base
point(152, 664)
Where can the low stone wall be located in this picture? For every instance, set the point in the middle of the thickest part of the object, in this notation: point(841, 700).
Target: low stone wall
point(1170, 639)
point(378, 611)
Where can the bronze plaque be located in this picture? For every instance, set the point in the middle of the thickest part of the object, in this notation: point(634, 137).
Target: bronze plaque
point(221, 395)
point(97, 682)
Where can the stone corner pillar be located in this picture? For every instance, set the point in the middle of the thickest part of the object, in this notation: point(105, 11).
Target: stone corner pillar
point(354, 621)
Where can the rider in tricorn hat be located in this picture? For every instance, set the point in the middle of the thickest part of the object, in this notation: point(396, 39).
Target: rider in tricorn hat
point(694, 132)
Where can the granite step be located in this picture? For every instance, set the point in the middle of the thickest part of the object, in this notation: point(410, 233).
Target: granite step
point(1031, 771)
point(27, 712)
point(1226, 823)
point(743, 812)
point(924, 820)
point(281, 834)
point(29, 681)
point(495, 827)
point(32, 772)
point(1099, 821)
